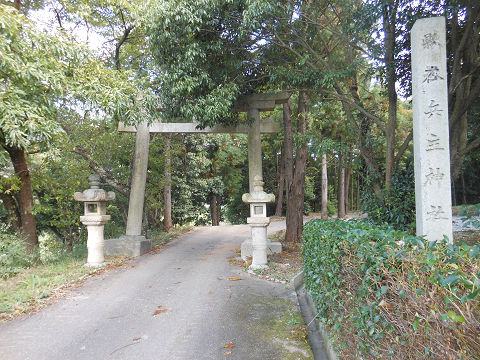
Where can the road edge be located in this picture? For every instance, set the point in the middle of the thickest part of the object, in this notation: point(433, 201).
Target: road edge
point(317, 335)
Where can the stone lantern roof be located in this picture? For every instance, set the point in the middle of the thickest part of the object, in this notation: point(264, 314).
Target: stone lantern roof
point(258, 195)
point(94, 193)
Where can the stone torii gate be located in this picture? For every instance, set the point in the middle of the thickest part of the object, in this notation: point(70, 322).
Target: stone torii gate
point(133, 243)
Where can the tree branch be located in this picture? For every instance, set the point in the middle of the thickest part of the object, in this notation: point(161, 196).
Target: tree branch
point(403, 148)
point(342, 97)
point(120, 42)
point(122, 189)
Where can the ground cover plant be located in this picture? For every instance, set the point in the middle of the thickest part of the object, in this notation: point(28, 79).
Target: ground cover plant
point(383, 294)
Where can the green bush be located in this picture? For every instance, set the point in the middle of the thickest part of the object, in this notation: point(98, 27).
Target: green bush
point(14, 255)
point(397, 206)
point(382, 293)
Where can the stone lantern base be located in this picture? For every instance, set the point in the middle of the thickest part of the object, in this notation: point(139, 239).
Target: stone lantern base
point(273, 247)
point(130, 245)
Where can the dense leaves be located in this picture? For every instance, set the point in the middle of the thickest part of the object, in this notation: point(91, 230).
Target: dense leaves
point(209, 56)
point(397, 206)
point(381, 292)
point(38, 71)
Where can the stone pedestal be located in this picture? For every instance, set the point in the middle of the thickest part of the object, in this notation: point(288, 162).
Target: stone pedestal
point(130, 245)
point(259, 242)
point(95, 241)
point(273, 247)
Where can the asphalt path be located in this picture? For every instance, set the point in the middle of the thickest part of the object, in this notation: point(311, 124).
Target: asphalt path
point(175, 304)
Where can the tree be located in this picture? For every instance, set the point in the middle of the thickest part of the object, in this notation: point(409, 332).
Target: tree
point(295, 172)
point(39, 72)
point(324, 187)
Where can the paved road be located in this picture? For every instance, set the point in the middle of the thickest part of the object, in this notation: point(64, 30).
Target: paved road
point(198, 310)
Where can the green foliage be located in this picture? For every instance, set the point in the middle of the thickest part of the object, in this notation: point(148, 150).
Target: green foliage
point(44, 72)
point(30, 287)
point(203, 166)
point(209, 56)
point(470, 215)
point(14, 255)
point(397, 206)
point(382, 292)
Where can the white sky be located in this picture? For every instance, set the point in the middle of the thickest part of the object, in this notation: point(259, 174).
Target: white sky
point(45, 20)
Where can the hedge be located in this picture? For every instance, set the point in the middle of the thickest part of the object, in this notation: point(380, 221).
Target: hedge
point(383, 294)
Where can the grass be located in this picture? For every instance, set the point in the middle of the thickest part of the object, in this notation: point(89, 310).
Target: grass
point(160, 238)
point(38, 285)
point(288, 330)
point(35, 286)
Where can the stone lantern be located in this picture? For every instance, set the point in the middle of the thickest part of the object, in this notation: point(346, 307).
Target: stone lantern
point(95, 218)
point(258, 221)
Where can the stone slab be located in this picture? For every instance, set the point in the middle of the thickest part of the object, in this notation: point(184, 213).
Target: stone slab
point(128, 245)
point(247, 248)
point(431, 129)
point(298, 281)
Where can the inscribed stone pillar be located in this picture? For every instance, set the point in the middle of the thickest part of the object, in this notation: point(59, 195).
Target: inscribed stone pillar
point(430, 129)
point(139, 179)
point(254, 148)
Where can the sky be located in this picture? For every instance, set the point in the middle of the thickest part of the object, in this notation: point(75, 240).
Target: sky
point(45, 19)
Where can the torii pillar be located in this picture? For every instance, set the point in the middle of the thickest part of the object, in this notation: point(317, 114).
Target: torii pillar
point(133, 243)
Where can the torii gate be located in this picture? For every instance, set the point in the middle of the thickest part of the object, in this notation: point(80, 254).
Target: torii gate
point(133, 243)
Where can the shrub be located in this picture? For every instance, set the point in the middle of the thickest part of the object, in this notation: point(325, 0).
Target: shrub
point(397, 206)
point(49, 247)
point(14, 255)
point(384, 294)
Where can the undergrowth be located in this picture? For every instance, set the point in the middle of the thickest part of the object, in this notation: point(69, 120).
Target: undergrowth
point(383, 294)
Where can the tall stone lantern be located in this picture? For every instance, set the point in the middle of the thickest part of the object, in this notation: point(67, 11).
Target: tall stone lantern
point(258, 221)
point(95, 218)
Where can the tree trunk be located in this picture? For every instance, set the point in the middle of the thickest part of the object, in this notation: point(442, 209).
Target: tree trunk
point(167, 191)
point(288, 153)
point(214, 210)
point(464, 85)
point(454, 194)
point(464, 191)
point(219, 208)
point(352, 178)
point(358, 192)
point(348, 171)
point(296, 188)
point(324, 187)
point(24, 196)
point(389, 21)
point(341, 187)
point(281, 183)
point(69, 240)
